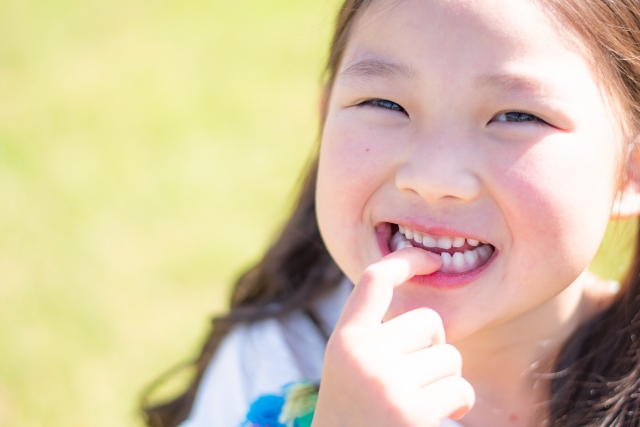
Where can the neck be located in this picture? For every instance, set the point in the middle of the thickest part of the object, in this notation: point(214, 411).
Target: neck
point(505, 363)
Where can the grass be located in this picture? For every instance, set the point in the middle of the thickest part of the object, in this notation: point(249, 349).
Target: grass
point(148, 151)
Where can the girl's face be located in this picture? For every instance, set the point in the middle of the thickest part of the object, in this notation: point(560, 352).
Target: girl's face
point(458, 121)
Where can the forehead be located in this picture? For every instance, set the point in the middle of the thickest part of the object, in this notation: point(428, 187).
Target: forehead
point(490, 36)
point(458, 18)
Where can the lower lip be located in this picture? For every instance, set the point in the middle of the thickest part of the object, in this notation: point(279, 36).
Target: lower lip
point(438, 279)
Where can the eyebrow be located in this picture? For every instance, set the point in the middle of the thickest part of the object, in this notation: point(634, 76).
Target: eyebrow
point(375, 68)
point(513, 82)
point(379, 69)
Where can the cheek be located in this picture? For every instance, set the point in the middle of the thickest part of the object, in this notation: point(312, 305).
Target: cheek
point(354, 161)
point(343, 174)
point(357, 149)
point(560, 196)
point(352, 166)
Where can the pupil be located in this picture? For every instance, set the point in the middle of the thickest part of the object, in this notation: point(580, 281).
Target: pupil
point(519, 117)
point(387, 104)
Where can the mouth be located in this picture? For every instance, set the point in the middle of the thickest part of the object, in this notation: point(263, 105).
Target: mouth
point(459, 254)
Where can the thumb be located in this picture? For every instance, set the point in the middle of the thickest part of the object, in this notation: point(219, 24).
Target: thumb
point(372, 295)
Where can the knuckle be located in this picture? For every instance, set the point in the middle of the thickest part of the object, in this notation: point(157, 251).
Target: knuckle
point(435, 318)
point(429, 317)
point(467, 393)
point(462, 390)
point(369, 274)
point(466, 398)
point(432, 324)
point(348, 347)
point(452, 354)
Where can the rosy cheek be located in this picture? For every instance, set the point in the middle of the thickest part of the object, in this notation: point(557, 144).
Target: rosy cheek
point(555, 197)
point(355, 158)
point(343, 170)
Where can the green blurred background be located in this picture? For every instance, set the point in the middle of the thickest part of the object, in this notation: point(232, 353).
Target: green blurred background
point(148, 152)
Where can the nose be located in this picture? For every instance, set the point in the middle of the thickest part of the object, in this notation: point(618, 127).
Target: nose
point(439, 169)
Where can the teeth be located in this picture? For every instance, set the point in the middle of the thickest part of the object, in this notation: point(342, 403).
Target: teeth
point(444, 243)
point(484, 252)
point(458, 260)
point(433, 242)
point(452, 263)
point(471, 257)
point(395, 241)
point(429, 242)
point(404, 244)
point(446, 259)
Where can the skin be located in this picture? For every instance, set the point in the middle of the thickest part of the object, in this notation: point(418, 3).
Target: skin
point(451, 163)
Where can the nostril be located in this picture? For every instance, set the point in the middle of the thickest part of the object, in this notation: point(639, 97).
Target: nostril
point(438, 184)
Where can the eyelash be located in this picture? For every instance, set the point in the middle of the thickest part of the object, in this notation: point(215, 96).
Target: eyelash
point(509, 116)
point(383, 103)
point(517, 117)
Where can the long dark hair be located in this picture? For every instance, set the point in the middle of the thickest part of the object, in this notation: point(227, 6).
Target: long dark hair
point(597, 380)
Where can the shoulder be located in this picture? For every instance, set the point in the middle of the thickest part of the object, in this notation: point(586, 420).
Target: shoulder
point(251, 360)
point(259, 359)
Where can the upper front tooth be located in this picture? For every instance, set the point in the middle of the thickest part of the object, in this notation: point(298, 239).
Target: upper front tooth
point(401, 228)
point(429, 241)
point(408, 234)
point(444, 243)
point(458, 242)
point(473, 242)
point(417, 237)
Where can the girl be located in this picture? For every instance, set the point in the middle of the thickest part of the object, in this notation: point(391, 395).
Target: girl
point(472, 155)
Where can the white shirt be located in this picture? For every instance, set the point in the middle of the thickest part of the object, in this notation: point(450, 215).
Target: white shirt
point(261, 358)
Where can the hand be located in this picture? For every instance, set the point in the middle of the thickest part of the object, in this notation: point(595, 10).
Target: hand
point(394, 374)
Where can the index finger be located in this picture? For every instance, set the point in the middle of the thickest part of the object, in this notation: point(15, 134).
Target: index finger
point(372, 295)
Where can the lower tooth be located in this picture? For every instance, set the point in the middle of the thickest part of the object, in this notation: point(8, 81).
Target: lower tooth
point(404, 244)
point(456, 263)
point(458, 260)
point(471, 257)
point(446, 259)
point(398, 241)
point(484, 252)
point(395, 241)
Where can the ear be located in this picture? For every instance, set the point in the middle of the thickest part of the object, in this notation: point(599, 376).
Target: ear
point(627, 203)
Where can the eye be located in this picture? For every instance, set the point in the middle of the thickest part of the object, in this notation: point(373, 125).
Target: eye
point(383, 103)
point(517, 117)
